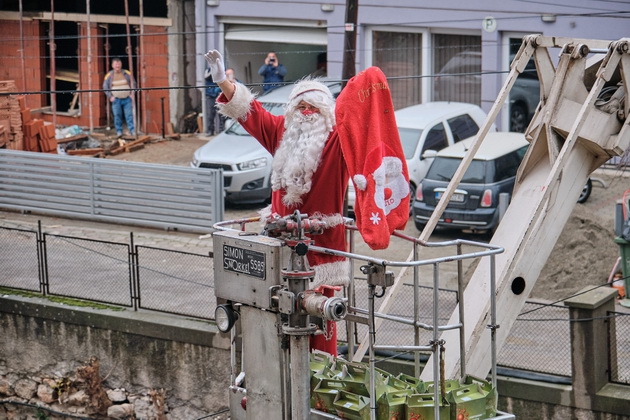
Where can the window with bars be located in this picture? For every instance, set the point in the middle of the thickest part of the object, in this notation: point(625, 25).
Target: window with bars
point(457, 68)
point(399, 54)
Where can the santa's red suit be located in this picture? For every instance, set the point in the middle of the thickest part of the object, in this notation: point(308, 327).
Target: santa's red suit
point(312, 179)
point(308, 174)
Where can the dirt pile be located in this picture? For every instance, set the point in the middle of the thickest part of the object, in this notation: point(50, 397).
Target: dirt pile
point(585, 252)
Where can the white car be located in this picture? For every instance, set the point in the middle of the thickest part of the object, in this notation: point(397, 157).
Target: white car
point(246, 164)
point(431, 126)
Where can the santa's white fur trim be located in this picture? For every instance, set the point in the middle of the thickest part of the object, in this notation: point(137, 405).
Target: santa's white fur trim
point(333, 274)
point(264, 214)
point(330, 220)
point(360, 181)
point(240, 105)
point(309, 85)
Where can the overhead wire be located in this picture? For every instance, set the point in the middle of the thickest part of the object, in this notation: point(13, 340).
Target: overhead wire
point(624, 14)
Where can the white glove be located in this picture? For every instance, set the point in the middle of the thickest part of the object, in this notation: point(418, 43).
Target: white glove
point(217, 68)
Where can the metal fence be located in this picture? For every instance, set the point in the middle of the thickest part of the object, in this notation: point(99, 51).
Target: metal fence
point(395, 333)
point(122, 274)
point(539, 341)
point(141, 194)
point(173, 281)
point(619, 347)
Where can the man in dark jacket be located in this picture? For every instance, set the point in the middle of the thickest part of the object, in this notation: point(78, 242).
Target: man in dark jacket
point(272, 72)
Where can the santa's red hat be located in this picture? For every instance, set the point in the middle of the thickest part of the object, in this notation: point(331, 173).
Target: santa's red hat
point(374, 156)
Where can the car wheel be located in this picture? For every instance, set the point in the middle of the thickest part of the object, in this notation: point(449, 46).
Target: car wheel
point(518, 118)
point(586, 191)
point(419, 225)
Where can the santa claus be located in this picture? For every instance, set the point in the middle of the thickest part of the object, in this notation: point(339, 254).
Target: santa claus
point(309, 173)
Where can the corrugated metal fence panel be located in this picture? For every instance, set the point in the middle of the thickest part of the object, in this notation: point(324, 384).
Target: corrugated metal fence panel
point(143, 194)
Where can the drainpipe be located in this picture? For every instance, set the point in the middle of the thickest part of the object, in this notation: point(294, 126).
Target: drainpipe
point(89, 63)
point(204, 32)
point(350, 41)
point(142, 70)
point(22, 50)
point(53, 84)
point(130, 58)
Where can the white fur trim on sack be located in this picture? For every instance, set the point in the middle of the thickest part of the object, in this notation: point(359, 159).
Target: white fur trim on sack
point(360, 181)
point(240, 105)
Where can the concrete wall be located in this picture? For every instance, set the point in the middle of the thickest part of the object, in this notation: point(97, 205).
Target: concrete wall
point(138, 351)
point(190, 359)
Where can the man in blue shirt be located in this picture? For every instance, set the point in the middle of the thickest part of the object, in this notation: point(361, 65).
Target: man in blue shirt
point(272, 72)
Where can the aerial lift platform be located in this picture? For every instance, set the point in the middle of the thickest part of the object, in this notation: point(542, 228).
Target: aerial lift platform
point(580, 123)
point(265, 282)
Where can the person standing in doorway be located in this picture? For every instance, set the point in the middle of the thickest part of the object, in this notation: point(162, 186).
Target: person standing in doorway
point(272, 72)
point(117, 85)
point(212, 91)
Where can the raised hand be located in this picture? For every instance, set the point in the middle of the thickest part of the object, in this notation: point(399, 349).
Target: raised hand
point(217, 68)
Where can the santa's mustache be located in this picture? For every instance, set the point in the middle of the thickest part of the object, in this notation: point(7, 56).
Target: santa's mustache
point(310, 119)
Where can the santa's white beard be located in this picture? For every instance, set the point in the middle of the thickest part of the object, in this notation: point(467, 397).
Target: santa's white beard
point(298, 155)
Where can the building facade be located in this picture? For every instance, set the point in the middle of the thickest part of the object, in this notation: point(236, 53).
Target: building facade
point(420, 46)
point(59, 52)
point(429, 50)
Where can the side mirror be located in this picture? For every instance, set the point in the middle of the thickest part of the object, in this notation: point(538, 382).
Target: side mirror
point(429, 154)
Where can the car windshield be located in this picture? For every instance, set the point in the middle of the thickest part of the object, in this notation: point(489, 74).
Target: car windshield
point(444, 168)
point(238, 130)
point(409, 138)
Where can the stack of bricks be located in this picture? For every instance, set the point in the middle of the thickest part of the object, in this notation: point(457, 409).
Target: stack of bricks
point(39, 135)
point(21, 132)
point(11, 136)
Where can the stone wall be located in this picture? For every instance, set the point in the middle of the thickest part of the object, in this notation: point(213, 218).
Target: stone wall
point(154, 366)
point(150, 364)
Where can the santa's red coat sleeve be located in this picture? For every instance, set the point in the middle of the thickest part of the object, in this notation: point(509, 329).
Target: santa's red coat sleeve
point(374, 156)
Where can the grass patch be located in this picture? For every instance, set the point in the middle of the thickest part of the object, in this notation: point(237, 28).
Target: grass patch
point(61, 300)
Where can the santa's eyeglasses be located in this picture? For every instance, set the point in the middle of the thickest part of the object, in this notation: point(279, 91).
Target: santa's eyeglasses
point(306, 107)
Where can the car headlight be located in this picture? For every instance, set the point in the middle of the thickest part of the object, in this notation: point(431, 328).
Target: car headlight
point(195, 162)
point(252, 164)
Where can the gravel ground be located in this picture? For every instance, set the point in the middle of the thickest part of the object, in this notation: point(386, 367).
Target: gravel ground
point(583, 256)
